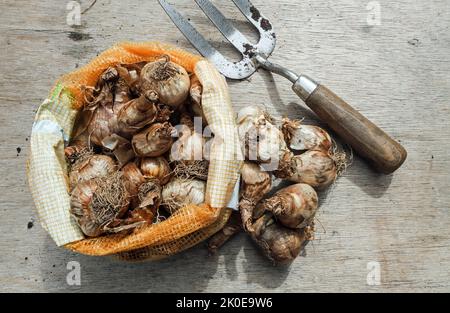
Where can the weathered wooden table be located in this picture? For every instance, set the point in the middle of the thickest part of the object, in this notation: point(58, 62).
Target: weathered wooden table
point(393, 66)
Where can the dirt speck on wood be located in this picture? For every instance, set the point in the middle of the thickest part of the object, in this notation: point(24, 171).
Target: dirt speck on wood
point(79, 36)
point(414, 42)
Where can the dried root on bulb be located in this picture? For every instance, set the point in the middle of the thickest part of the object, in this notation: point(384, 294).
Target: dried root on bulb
point(194, 169)
point(98, 204)
point(187, 153)
point(77, 152)
point(341, 159)
point(111, 197)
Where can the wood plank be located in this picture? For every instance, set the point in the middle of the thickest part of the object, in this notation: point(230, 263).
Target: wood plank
point(396, 73)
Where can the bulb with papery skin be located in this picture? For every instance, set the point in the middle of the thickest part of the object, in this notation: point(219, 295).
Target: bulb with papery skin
point(294, 206)
point(98, 204)
point(180, 192)
point(156, 168)
point(300, 136)
point(153, 141)
point(168, 80)
point(280, 244)
point(91, 167)
point(315, 168)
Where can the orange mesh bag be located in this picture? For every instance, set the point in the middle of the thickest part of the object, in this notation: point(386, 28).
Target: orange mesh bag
point(47, 168)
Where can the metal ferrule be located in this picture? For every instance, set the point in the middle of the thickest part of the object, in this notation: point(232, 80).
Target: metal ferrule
point(304, 87)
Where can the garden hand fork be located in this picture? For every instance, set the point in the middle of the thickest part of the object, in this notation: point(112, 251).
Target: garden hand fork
point(368, 140)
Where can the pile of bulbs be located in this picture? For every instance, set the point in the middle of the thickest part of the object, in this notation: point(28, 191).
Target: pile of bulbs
point(283, 223)
point(129, 165)
point(126, 158)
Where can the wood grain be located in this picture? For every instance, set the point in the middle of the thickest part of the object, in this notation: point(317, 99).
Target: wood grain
point(365, 138)
point(395, 73)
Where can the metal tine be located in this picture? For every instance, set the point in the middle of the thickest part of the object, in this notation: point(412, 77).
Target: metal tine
point(233, 70)
point(194, 37)
point(267, 40)
point(246, 7)
point(231, 33)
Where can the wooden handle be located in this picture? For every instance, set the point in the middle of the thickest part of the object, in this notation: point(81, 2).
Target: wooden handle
point(369, 141)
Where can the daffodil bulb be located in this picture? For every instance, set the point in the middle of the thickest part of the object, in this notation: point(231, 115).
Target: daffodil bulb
point(300, 136)
point(294, 206)
point(156, 168)
point(92, 166)
point(262, 141)
point(153, 141)
point(180, 192)
point(168, 80)
point(315, 168)
point(98, 204)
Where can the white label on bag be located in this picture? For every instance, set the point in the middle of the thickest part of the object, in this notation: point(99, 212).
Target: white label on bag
point(234, 201)
point(49, 127)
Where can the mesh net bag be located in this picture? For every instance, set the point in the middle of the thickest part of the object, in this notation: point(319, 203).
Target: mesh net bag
point(47, 168)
